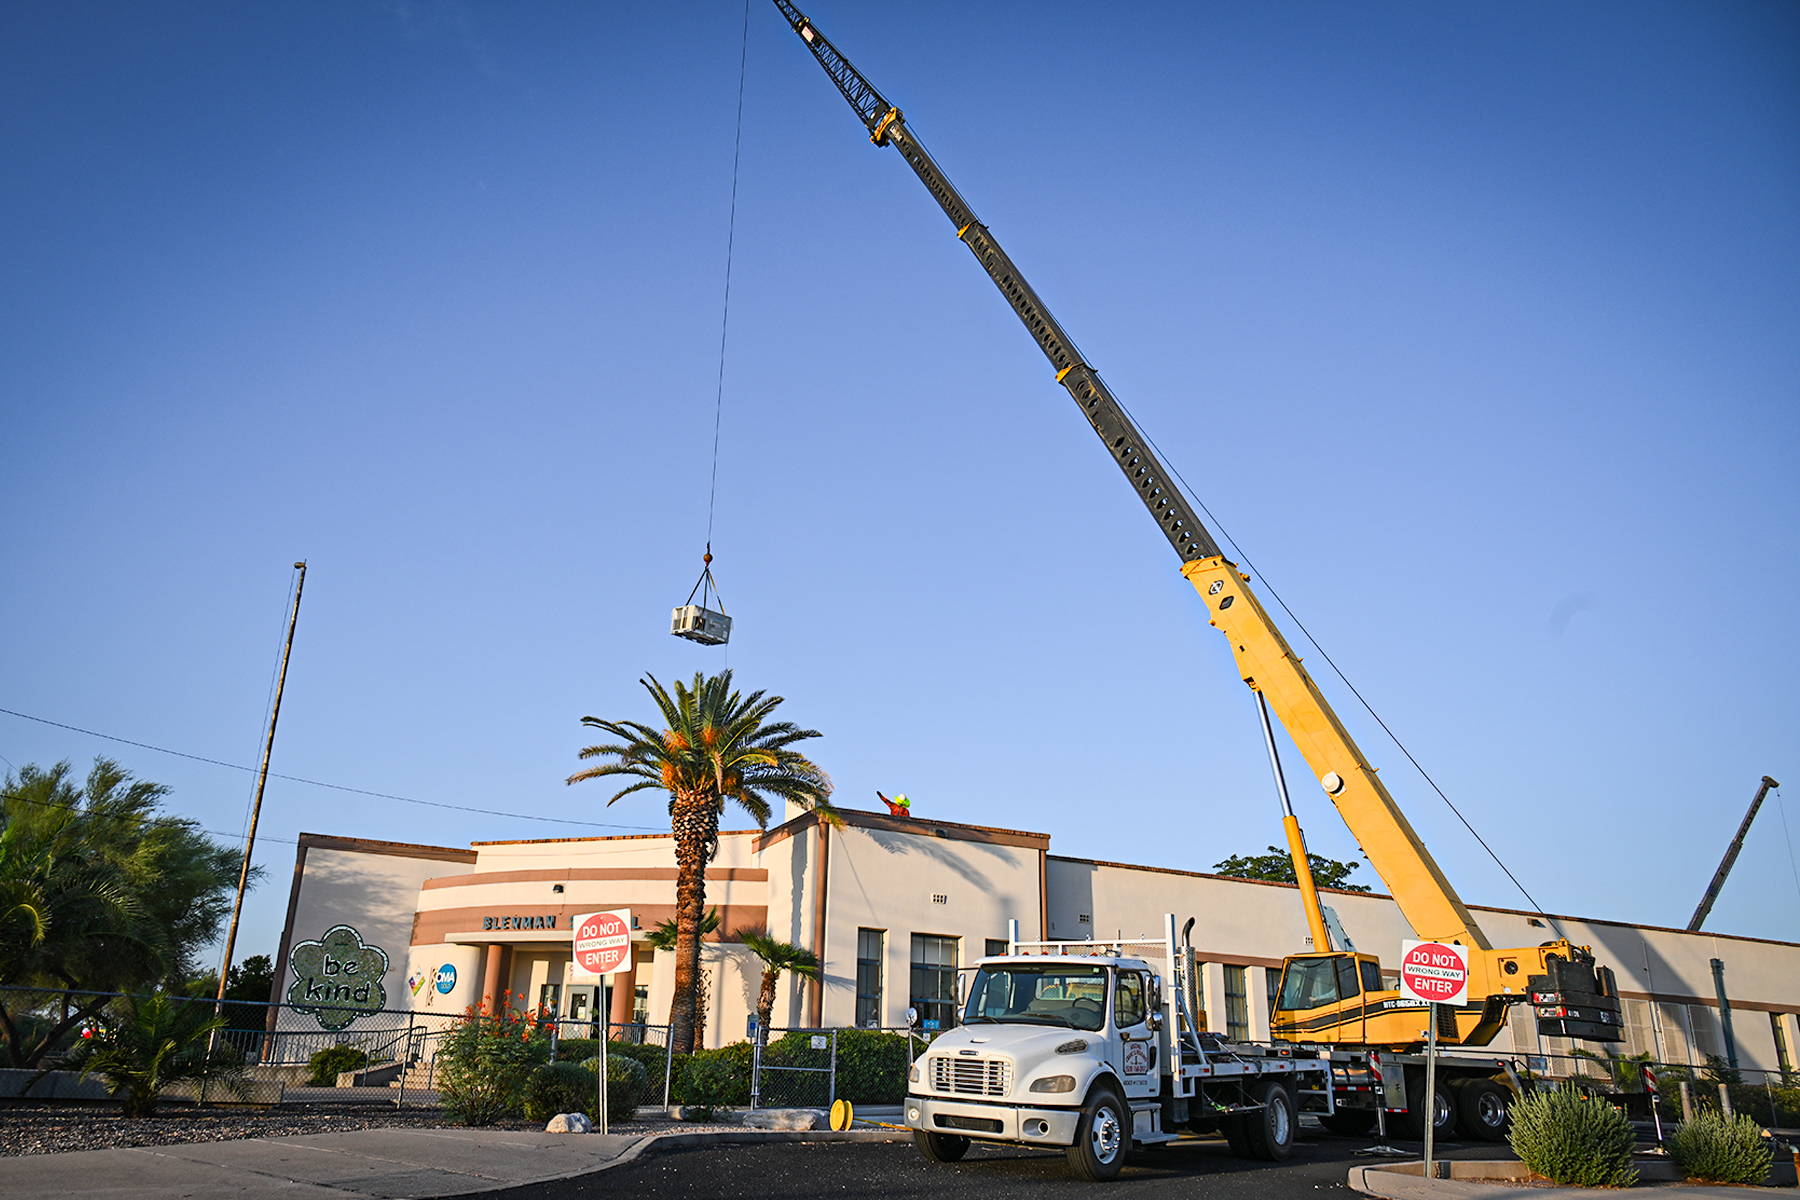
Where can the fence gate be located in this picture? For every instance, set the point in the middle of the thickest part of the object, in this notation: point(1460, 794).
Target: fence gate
point(797, 1071)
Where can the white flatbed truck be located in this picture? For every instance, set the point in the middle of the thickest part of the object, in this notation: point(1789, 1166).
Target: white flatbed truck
point(1092, 1047)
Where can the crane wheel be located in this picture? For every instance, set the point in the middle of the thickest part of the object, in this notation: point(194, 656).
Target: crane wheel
point(1484, 1110)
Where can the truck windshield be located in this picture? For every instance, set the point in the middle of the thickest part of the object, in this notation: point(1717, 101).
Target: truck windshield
point(1033, 995)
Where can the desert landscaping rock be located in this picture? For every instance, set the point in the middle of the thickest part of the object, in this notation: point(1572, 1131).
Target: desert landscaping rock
point(52, 1130)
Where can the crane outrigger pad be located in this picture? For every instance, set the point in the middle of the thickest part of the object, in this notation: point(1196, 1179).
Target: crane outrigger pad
point(700, 625)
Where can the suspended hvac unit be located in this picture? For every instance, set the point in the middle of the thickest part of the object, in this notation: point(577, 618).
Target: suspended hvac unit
point(700, 625)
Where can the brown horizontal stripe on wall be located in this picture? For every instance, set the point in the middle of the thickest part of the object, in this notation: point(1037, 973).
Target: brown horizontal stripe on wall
point(430, 927)
point(560, 874)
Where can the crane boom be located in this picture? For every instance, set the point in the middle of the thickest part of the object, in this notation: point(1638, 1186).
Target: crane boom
point(1265, 661)
point(1731, 852)
point(1128, 447)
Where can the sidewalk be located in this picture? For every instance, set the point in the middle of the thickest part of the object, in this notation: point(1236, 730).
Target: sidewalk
point(381, 1164)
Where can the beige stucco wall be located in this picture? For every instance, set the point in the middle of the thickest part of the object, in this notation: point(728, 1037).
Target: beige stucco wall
point(1244, 922)
point(369, 886)
point(917, 882)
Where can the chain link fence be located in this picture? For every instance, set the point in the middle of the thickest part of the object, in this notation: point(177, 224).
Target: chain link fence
point(812, 1068)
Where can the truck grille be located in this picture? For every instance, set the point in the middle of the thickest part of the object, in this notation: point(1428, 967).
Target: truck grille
point(971, 1076)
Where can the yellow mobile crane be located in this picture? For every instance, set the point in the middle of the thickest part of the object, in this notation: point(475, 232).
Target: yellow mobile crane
point(1329, 998)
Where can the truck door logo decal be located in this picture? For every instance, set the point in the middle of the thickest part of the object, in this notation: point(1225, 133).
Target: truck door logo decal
point(1137, 1058)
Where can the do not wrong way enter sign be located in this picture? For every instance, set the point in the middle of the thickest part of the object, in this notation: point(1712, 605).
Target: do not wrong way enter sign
point(1435, 972)
point(602, 941)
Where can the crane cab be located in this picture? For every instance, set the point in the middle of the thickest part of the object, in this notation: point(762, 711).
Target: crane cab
point(1329, 998)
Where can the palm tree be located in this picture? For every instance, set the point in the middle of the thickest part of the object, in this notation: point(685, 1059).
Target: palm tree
point(777, 956)
point(714, 745)
point(664, 937)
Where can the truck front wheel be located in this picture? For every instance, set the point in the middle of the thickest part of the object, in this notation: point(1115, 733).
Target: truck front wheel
point(1270, 1130)
point(940, 1147)
point(1102, 1137)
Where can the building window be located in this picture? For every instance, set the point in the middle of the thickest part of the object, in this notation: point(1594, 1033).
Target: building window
point(868, 977)
point(1272, 977)
point(1237, 1004)
point(934, 980)
point(996, 946)
point(550, 999)
point(1784, 1058)
point(640, 1004)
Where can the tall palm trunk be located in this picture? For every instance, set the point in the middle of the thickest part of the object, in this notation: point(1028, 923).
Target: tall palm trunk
point(765, 1001)
point(695, 825)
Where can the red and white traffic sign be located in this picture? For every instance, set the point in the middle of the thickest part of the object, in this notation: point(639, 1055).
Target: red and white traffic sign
point(602, 941)
point(1435, 972)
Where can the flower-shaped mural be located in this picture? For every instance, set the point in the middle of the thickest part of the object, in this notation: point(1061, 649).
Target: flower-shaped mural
point(337, 979)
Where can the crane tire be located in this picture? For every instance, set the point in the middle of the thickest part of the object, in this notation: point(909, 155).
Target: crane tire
point(1349, 1121)
point(1484, 1110)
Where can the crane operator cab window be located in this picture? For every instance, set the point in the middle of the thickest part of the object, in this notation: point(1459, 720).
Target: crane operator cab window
point(1313, 982)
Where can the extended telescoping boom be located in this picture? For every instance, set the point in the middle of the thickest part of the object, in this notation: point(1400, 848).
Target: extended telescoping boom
point(1573, 998)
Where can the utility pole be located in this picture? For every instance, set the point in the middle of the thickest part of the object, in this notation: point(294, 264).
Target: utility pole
point(262, 779)
point(1731, 853)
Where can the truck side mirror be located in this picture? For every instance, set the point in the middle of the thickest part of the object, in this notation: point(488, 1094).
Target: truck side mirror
point(1155, 1020)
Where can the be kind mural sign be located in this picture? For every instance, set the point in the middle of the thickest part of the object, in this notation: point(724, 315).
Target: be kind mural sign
point(337, 978)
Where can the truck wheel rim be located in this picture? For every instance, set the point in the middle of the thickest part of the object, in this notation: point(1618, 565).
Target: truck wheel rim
point(1278, 1122)
point(1491, 1110)
point(1106, 1134)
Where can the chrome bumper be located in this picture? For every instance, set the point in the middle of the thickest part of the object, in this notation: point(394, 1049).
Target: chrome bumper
point(993, 1122)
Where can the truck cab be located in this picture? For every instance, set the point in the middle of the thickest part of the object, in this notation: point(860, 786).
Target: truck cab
point(1051, 1050)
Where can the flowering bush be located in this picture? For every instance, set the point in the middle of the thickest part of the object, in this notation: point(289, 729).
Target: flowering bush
point(486, 1060)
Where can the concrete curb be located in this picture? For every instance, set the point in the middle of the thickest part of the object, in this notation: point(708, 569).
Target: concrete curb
point(1494, 1179)
point(659, 1143)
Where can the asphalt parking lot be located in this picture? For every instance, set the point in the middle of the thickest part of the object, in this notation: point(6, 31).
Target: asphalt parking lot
point(801, 1171)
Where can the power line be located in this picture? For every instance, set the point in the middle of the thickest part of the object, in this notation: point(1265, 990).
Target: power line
point(336, 787)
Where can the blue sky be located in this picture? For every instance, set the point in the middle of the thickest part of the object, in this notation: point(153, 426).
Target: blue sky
point(1474, 325)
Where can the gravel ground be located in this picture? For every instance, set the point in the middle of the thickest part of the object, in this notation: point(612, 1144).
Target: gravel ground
point(50, 1130)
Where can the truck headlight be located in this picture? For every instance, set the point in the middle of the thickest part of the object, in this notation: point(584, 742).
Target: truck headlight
point(913, 1074)
point(1054, 1083)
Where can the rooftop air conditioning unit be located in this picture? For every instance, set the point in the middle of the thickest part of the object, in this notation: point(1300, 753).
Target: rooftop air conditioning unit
point(700, 625)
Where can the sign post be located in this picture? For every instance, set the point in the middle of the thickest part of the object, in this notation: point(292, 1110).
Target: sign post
point(602, 948)
point(1436, 973)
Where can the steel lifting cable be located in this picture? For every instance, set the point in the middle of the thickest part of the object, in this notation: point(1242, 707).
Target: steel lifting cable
point(1781, 808)
point(737, 151)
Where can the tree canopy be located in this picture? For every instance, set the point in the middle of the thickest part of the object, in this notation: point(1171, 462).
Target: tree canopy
point(715, 745)
point(98, 892)
point(1278, 866)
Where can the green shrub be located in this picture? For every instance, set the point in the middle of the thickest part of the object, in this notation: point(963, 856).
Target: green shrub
point(1575, 1139)
point(714, 1080)
point(484, 1064)
point(559, 1087)
point(627, 1085)
point(333, 1061)
point(1721, 1150)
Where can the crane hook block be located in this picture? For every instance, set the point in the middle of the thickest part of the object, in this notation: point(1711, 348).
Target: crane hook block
point(701, 625)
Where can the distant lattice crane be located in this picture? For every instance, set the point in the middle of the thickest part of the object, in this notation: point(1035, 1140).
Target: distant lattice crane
point(1731, 853)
